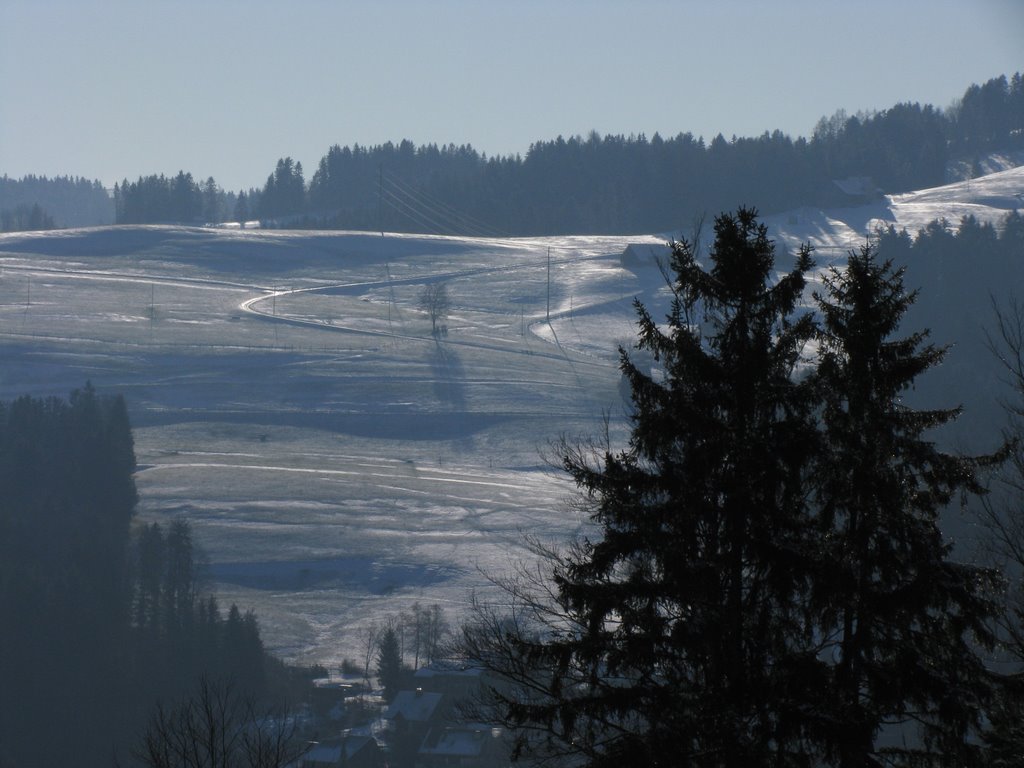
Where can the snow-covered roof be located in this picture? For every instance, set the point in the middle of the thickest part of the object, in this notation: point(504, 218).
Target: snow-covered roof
point(858, 186)
point(330, 752)
point(457, 741)
point(414, 706)
point(645, 254)
point(343, 685)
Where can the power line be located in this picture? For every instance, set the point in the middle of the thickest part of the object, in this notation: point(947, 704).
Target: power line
point(415, 216)
point(451, 219)
point(410, 198)
point(439, 217)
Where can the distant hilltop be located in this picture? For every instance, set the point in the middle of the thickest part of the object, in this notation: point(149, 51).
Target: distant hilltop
point(611, 184)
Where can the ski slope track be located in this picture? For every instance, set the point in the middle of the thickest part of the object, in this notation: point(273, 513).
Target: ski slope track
point(337, 461)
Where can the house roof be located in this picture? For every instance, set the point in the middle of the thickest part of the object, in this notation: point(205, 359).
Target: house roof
point(329, 752)
point(457, 741)
point(415, 706)
point(646, 254)
point(856, 185)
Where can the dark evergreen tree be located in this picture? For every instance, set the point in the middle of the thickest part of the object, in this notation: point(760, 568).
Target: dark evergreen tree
point(180, 587)
point(675, 638)
point(95, 630)
point(285, 191)
point(186, 199)
point(390, 670)
point(62, 201)
point(149, 578)
point(990, 114)
point(158, 199)
point(244, 655)
point(328, 191)
point(214, 203)
point(242, 211)
point(67, 496)
point(26, 218)
point(209, 629)
point(901, 619)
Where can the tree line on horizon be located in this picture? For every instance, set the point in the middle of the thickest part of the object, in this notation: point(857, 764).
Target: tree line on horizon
point(608, 184)
point(38, 202)
point(596, 184)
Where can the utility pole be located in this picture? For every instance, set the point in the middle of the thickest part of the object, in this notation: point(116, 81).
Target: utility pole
point(380, 198)
point(391, 292)
point(548, 313)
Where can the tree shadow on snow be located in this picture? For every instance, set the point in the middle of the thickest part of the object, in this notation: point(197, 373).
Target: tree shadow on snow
point(449, 381)
point(448, 376)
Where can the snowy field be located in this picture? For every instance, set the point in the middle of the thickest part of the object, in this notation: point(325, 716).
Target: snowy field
point(337, 462)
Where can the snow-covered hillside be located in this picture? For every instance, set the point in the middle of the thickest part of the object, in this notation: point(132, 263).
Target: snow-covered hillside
point(835, 231)
point(337, 461)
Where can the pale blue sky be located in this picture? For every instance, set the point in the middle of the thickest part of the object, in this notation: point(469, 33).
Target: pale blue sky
point(110, 89)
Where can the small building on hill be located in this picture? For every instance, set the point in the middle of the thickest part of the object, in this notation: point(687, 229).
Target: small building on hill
point(859, 189)
point(645, 255)
point(412, 708)
point(409, 718)
point(452, 678)
point(347, 751)
point(465, 746)
point(424, 725)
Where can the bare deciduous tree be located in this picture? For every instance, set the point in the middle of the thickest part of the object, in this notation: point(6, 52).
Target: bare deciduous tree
point(1002, 523)
point(499, 639)
point(369, 643)
point(434, 301)
point(217, 727)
